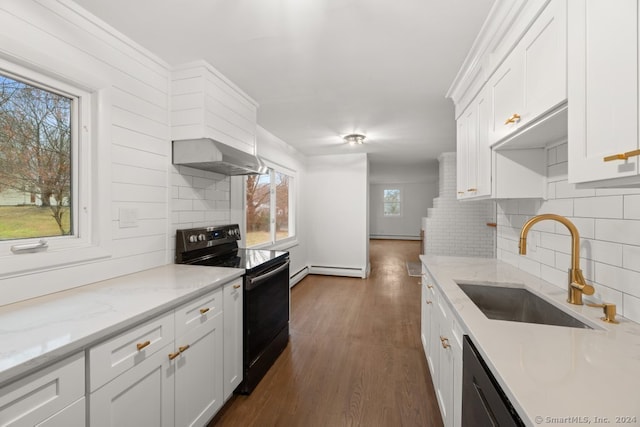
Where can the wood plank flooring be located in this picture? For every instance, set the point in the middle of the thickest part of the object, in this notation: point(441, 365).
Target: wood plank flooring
point(354, 356)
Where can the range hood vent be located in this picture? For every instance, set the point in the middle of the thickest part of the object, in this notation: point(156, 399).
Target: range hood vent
point(210, 155)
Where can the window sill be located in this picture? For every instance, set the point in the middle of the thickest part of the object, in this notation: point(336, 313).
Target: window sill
point(282, 245)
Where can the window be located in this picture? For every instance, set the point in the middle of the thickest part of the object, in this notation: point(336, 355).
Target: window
point(35, 161)
point(392, 202)
point(268, 208)
point(52, 170)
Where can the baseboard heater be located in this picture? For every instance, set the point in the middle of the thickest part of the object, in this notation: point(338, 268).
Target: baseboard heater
point(393, 237)
point(338, 271)
point(301, 274)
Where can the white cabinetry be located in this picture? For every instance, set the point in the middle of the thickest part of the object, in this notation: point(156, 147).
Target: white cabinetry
point(233, 367)
point(473, 151)
point(131, 378)
point(532, 80)
point(199, 364)
point(443, 336)
point(603, 89)
point(51, 397)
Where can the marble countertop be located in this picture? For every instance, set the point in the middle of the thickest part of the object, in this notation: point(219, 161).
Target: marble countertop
point(551, 374)
point(40, 331)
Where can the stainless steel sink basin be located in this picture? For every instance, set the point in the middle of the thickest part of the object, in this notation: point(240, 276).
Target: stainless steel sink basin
point(518, 305)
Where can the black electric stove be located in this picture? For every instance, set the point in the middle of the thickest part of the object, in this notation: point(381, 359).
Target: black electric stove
point(265, 292)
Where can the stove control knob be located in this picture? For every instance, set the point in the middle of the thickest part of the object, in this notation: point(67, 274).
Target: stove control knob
point(202, 237)
point(193, 238)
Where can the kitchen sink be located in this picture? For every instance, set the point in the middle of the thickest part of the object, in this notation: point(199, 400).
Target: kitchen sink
point(517, 305)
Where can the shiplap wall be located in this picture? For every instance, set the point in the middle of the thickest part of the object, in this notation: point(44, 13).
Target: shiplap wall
point(58, 38)
point(609, 224)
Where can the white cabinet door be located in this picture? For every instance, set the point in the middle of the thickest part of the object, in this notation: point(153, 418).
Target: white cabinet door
point(425, 313)
point(532, 80)
point(233, 367)
point(603, 89)
point(198, 373)
point(39, 397)
point(544, 56)
point(473, 151)
point(71, 416)
point(141, 396)
point(507, 97)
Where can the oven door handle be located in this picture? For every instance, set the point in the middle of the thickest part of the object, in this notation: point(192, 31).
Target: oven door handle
point(252, 282)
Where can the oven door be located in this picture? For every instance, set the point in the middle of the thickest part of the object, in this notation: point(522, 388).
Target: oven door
point(266, 308)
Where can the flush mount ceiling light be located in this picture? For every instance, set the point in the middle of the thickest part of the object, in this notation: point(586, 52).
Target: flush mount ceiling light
point(354, 139)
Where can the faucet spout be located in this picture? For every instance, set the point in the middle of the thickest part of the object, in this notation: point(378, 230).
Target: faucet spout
point(577, 285)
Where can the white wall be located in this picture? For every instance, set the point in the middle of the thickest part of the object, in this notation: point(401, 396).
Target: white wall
point(336, 199)
point(609, 224)
point(418, 184)
point(52, 38)
point(416, 199)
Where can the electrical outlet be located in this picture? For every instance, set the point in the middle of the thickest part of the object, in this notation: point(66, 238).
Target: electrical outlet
point(128, 217)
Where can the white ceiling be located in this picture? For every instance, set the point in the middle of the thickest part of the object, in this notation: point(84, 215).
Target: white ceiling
point(321, 69)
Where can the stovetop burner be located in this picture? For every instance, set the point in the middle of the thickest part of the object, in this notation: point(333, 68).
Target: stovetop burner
point(218, 247)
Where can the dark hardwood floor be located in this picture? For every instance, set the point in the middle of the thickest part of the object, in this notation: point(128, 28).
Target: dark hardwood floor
point(354, 356)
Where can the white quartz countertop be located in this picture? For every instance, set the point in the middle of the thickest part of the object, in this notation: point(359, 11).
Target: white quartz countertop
point(551, 374)
point(42, 330)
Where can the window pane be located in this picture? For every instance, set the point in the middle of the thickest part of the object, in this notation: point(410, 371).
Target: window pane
point(391, 202)
point(258, 209)
point(282, 206)
point(35, 161)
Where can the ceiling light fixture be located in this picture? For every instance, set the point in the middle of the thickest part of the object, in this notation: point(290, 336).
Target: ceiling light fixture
point(354, 139)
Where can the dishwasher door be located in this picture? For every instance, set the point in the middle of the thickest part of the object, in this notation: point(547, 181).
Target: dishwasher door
point(483, 401)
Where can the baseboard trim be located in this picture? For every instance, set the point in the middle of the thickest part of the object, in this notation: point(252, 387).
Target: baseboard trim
point(338, 271)
point(297, 277)
point(390, 237)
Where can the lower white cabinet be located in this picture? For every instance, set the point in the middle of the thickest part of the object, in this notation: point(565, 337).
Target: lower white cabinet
point(233, 367)
point(141, 396)
point(51, 397)
point(199, 361)
point(443, 350)
point(174, 370)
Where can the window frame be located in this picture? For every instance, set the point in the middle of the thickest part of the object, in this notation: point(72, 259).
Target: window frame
point(273, 241)
point(384, 202)
point(90, 123)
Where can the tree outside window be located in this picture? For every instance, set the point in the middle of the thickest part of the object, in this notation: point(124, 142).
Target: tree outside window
point(392, 203)
point(35, 161)
point(268, 201)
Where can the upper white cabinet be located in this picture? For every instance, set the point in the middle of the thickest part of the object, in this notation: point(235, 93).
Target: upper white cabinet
point(205, 104)
point(603, 92)
point(473, 151)
point(532, 80)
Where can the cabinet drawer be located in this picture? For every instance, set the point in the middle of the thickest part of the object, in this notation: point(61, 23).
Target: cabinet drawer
point(37, 397)
point(193, 314)
point(117, 355)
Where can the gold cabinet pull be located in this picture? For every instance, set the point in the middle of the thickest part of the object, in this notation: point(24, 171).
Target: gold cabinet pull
point(142, 345)
point(472, 189)
point(430, 286)
point(445, 342)
point(236, 286)
point(622, 156)
point(460, 192)
point(514, 118)
point(429, 302)
point(174, 355)
point(204, 310)
point(183, 348)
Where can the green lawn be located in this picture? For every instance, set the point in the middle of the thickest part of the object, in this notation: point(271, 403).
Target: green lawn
point(20, 222)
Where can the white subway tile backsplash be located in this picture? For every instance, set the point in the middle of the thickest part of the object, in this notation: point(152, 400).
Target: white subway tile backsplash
point(557, 172)
point(564, 190)
point(605, 252)
point(631, 307)
point(556, 242)
point(626, 281)
point(631, 257)
point(598, 207)
point(618, 230)
point(632, 207)
point(557, 206)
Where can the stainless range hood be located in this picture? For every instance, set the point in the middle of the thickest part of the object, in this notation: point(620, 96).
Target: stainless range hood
point(210, 155)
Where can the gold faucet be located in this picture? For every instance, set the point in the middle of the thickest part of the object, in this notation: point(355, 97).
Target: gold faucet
point(577, 284)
